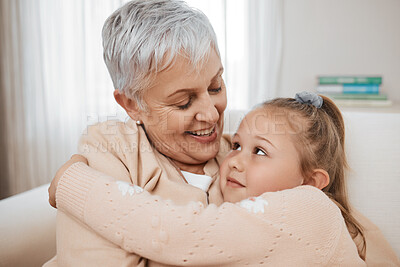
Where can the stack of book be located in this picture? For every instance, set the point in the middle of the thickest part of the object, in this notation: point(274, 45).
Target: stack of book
point(354, 91)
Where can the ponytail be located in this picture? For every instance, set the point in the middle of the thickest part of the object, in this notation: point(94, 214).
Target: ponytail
point(336, 189)
point(321, 145)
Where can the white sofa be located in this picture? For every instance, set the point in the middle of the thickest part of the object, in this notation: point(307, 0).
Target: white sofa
point(27, 225)
point(27, 229)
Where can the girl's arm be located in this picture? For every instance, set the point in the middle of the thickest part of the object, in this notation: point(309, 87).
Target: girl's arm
point(274, 228)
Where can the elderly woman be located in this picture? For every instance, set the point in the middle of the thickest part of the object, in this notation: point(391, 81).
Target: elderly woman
point(164, 61)
point(165, 65)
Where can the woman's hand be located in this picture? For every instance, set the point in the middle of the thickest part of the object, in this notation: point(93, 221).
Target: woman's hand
point(53, 186)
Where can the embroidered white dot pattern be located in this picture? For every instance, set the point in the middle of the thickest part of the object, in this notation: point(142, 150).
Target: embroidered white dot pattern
point(254, 204)
point(131, 189)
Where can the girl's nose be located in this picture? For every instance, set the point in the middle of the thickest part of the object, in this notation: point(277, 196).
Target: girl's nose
point(237, 162)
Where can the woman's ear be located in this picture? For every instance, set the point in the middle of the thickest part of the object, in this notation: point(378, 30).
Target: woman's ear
point(319, 179)
point(128, 104)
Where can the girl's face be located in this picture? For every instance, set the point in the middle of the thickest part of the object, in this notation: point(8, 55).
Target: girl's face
point(263, 159)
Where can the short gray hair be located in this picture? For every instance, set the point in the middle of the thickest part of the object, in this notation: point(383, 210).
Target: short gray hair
point(143, 38)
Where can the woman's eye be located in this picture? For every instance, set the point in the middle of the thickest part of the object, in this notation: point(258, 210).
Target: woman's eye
point(215, 91)
point(187, 105)
point(259, 151)
point(236, 146)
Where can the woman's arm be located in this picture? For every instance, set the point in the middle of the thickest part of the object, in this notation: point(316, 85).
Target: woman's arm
point(103, 145)
point(272, 228)
point(53, 185)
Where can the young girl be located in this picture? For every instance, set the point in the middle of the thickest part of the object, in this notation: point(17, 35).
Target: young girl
point(286, 176)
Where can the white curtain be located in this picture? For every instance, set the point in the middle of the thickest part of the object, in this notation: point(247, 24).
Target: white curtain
point(250, 40)
point(54, 83)
point(265, 49)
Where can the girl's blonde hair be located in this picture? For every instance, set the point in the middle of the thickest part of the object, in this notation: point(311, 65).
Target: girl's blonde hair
point(320, 137)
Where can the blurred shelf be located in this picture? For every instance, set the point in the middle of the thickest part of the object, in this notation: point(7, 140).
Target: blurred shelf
point(394, 108)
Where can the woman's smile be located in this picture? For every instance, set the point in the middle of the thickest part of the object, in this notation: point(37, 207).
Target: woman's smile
point(204, 136)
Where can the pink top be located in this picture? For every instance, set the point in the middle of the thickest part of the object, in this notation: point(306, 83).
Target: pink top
point(296, 227)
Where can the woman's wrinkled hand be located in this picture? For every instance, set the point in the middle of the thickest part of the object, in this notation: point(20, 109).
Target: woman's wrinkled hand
point(54, 183)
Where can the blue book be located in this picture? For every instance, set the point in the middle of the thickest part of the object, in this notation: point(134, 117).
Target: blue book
point(360, 89)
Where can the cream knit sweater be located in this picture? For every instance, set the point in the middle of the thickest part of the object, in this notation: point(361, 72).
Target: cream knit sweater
point(296, 227)
point(122, 151)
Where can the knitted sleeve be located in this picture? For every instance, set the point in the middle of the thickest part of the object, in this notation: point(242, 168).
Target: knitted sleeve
point(299, 226)
point(109, 147)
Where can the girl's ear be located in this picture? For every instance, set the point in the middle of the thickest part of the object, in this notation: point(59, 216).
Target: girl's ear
point(319, 179)
point(128, 104)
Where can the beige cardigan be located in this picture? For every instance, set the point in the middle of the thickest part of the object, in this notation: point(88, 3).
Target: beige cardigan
point(295, 227)
point(121, 150)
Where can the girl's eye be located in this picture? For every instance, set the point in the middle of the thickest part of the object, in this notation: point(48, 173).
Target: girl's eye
point(215, 91)
point(187, 105)
point(236, 146)
point(259, 151)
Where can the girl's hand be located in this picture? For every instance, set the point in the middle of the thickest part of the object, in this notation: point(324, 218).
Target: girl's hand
point(53, 186)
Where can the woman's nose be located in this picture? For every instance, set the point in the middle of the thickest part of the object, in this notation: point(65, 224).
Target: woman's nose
point(237, 162)
point(207, 111)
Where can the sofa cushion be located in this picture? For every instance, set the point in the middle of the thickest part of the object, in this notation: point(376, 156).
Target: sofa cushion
point(27, 229)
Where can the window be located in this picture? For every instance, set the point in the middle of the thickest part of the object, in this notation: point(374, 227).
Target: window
point(56, 82)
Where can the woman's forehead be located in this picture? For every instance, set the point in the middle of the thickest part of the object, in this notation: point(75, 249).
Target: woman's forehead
point(182, 75)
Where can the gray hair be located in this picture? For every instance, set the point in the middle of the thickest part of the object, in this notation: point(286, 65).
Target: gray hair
point(143, 38)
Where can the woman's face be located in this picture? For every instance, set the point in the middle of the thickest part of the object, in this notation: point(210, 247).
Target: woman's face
point(185, 112)
point(263, 159)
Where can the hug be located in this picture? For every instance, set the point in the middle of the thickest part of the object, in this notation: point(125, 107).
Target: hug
point(274, 193)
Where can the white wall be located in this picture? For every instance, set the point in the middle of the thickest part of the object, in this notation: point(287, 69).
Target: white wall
point(340, 37)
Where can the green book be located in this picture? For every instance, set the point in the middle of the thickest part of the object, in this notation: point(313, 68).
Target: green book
point(349, 79)
point(357, 96)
